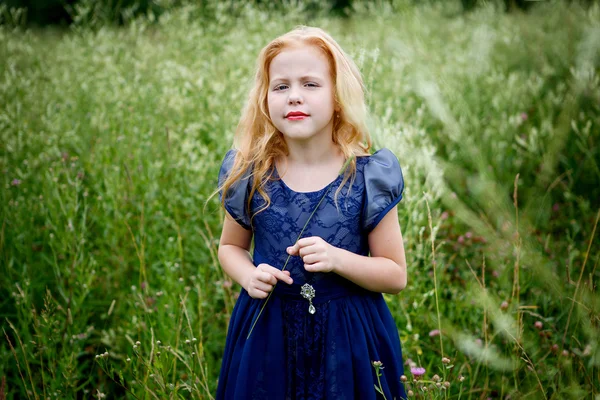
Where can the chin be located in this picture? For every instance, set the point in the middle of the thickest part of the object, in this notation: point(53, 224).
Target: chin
point(298, 136)
point(297, 133)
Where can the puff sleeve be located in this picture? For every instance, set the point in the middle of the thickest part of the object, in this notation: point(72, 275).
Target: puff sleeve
point(384, 185)
point(237, 195)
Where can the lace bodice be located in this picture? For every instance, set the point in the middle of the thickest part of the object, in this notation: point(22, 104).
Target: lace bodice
point(361, 204)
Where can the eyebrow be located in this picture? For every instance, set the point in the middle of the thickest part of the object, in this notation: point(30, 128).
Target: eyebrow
point(302, 78)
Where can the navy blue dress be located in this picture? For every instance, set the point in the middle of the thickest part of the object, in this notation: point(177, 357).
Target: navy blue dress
point(291, 353)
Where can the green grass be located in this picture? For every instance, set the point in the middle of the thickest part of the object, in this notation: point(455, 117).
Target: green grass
point(110, 144)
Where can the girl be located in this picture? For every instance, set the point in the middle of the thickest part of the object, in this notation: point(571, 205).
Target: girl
point(302, 170)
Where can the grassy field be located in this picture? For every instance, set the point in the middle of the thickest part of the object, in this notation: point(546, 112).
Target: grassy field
point(110, 144)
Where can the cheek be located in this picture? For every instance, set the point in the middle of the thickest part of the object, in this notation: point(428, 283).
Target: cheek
point(326, 102)
point(273, 104)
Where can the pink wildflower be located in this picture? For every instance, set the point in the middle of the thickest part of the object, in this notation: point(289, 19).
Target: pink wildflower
point(524, 116)
point(16, 182)
point(435, 332)
point(417, 371)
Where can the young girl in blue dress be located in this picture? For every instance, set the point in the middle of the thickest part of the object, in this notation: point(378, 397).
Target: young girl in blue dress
point(322, 212)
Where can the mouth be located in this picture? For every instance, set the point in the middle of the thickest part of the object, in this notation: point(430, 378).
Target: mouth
point(295, 115)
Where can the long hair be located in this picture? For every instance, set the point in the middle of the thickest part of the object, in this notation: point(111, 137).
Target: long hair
point(258, 141)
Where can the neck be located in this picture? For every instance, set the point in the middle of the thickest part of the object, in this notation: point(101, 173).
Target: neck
point(316, 151)
point(312, 153)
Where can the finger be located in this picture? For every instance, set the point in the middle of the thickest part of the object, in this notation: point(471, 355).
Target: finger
point(282, 276)
point(311, 249)
point(293, 250)
point(311, 258)
point(314, 267)
point(307, 241)
point(279, 274)
point(264, 287)
point(258, 294)
point(263, 267)
point(266, 277)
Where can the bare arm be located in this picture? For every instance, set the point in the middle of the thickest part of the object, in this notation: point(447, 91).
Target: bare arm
point(236, 261)
point(234, 247)
point(384, 271)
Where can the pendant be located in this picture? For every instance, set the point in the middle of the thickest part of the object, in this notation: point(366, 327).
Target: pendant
point(308, 292)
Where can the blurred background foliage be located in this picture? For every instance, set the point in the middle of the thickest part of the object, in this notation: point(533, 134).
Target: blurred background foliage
point(113, 124)
point(65, 12)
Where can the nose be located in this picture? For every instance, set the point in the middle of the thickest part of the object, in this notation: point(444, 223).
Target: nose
point(294, 97)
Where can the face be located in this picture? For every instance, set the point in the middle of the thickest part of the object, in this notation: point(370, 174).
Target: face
point(301, 99)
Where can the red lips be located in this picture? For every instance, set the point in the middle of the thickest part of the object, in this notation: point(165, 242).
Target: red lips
point(296, 114)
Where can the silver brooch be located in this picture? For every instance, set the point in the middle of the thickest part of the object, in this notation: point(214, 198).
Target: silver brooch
point(308, 292)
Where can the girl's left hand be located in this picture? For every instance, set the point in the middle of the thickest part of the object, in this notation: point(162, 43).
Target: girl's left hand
point(317, 254)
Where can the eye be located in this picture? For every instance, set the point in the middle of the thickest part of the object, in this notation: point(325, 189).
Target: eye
point(311, 84)
point(280, 87)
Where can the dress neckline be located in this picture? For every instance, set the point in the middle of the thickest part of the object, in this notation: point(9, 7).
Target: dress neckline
point(314, 192)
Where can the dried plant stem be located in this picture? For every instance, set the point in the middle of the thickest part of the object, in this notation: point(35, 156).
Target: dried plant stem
point(299, 236)
point(200, 349)
point(177, 337)
point(24, 357)
point(587, 254)
point(140, 251)
point(17, 361)
point(286, 262)
point(437, 304)
point(2, 235)
point(516, 284)
point(530, 363)
point(485, 310)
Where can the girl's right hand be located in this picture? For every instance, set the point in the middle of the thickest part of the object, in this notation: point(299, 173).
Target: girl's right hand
point(263, 278)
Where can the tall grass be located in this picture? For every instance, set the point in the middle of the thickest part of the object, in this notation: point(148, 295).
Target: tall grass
point(110, 144)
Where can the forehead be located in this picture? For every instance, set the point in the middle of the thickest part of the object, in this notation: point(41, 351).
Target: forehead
point(299, 61)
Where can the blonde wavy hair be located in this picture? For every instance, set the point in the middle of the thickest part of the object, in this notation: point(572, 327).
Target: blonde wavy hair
point(258, 141)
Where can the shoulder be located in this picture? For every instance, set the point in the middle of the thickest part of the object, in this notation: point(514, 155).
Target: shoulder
point(229, 168)
point(228, 163)
point(236, 192)
point(379, 162)
point(383, 186)
point(228, 160)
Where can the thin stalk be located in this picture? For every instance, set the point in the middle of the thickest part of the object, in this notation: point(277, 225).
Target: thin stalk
point(17, 361)
point(516, 274)
point(379, 383)
point(587, 254)
point(35, 395)
point(299, 236)
point(437, 304)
